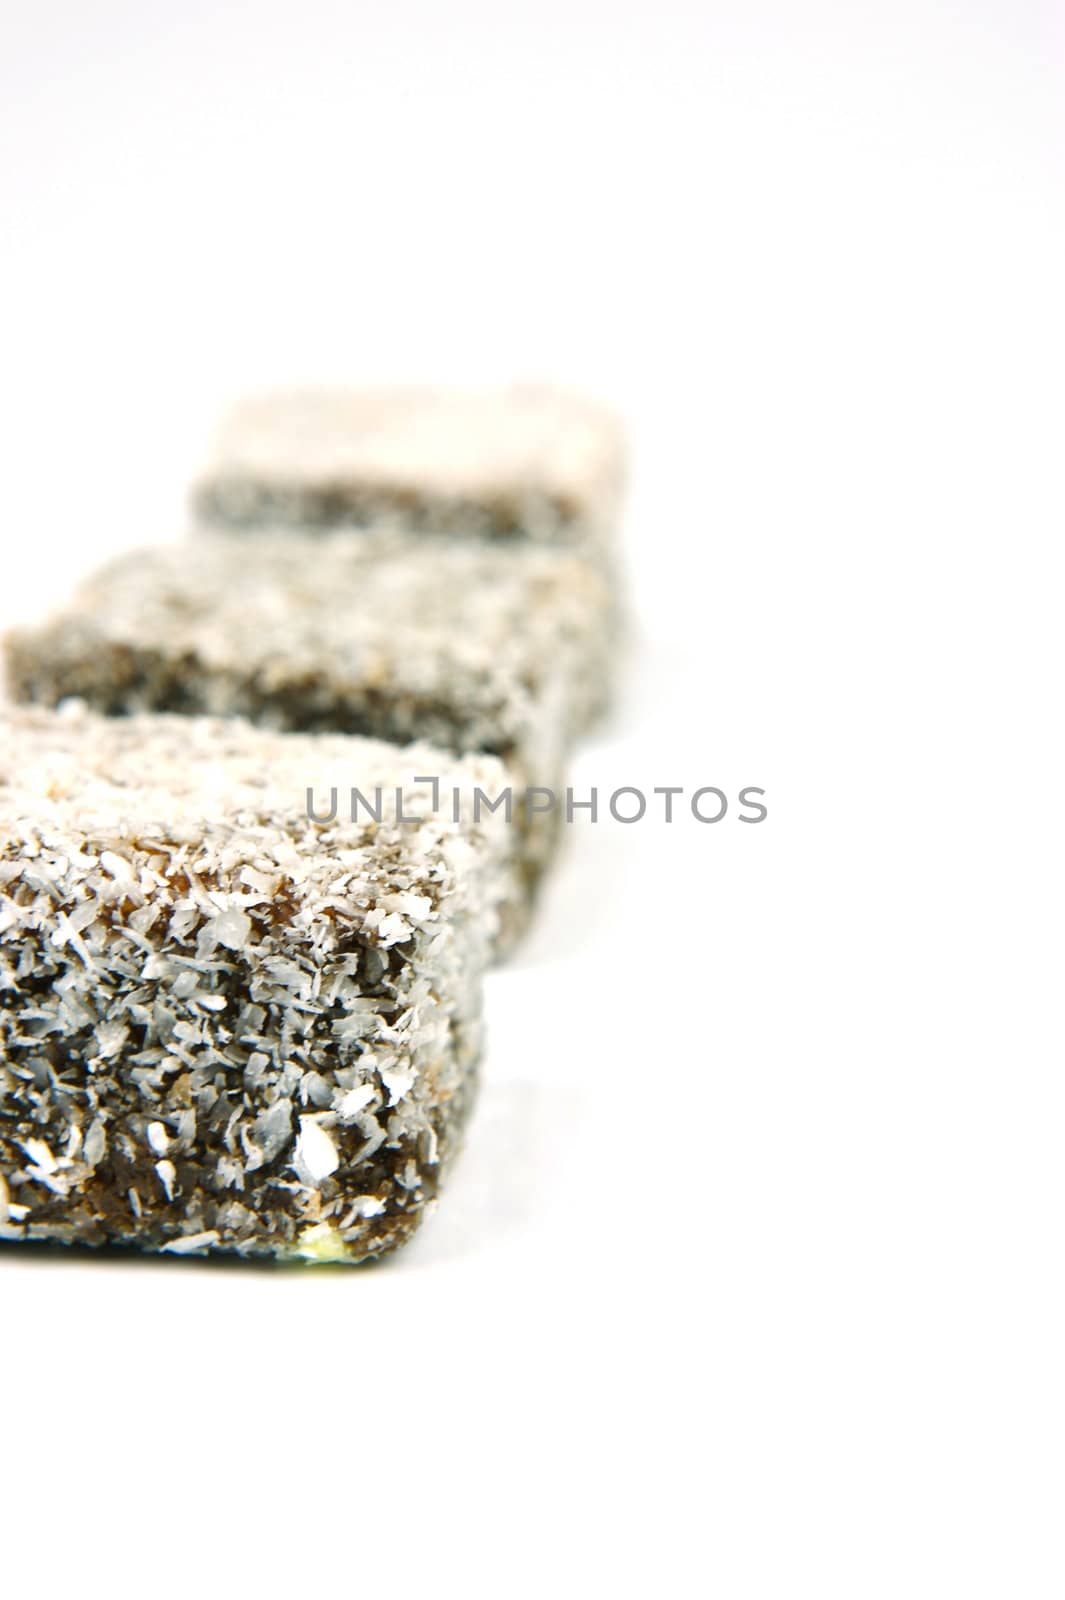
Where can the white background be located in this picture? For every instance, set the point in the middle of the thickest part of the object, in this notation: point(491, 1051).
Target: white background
point(750, 1283)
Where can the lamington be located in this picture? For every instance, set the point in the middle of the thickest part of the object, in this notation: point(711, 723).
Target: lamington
point(226, 1026)
point(530, 462)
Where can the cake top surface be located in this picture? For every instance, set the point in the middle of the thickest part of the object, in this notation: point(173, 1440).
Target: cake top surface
point(213, 815)
point(527, 439)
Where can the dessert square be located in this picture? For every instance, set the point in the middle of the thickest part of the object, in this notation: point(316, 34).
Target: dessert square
point(528, 462)
point(226, 1026)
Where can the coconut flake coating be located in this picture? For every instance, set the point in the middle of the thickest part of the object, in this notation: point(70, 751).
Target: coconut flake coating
point(468, 645)
point(223, 1026)
point(529, 462)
